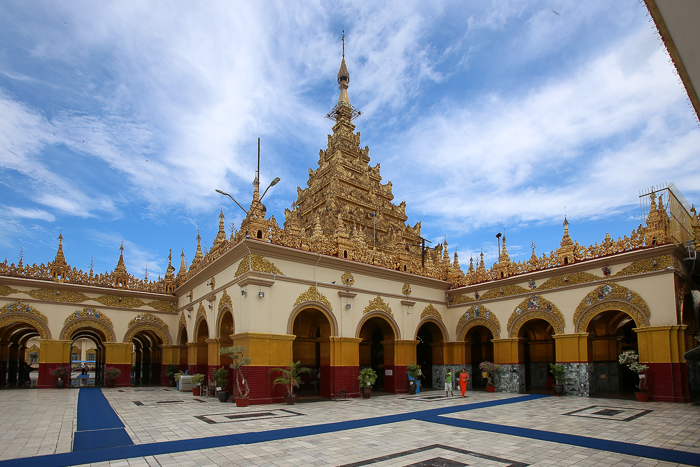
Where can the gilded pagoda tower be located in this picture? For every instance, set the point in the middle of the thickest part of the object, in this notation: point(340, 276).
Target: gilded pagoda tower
point(345, 199)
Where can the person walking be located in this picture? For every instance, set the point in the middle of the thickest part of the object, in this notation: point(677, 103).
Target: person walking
point(448, 383)
point(463, 378)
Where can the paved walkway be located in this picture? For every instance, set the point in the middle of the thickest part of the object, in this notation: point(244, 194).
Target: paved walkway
point(166, 427)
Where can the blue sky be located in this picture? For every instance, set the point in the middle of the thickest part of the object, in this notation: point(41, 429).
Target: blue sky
point(118, 120)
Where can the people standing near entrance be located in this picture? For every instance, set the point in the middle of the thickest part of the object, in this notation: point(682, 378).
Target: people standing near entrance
point(84, 369)
point(448, 383)
point(463, 378)
point(417, 382)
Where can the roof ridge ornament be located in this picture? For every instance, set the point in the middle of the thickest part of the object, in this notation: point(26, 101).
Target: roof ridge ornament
point(343, 109)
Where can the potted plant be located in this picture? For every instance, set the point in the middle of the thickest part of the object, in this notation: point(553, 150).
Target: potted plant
point(60, 372)
point(235, 352)
point(557, 370)
point(221, 381)
point(413, 378)
point(111, 374)
point(176, 377)
point(197, 379)
point(290, 378)
point(170, 371)
point(367, 378)
point(631, 359)
point(488, 371)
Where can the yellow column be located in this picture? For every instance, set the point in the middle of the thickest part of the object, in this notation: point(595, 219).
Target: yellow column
point(571, 348)
point(404, 351)
point(661, 348)
point(171, 354)
point(54, 353)
point(266, 349)
point(345, 351)
point(455, 353)
point(508, 351)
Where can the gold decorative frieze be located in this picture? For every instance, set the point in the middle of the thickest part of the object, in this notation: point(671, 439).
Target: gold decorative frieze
point(535, 306)
point(313, 295)
point(21, 307)
point(182, 322)
point(225, 302)
point(478, 315)
point(459, 299)
point(378, 304)
point(71, 328)
point(121, 302)
point(162, 305)
point(145, 318)
point(50, 295)
point(656, 263)
point(6, 290)
point(406, 289)
point(505, 291)
point(568, 279)
point(88, 312)
point(347, 279)
point(430, 310)
point(257, 264)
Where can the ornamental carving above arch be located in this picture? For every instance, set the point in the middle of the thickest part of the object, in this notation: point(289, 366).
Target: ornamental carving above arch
point(313, 295)
point(23, 313)
point(608, 297)
point(535, 307)
point(87, 322)
point(430, 310)
point(478, 315)
point(164, 334)
point(378, 304)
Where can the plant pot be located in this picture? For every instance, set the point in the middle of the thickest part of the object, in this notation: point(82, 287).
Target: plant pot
point(195, 391)
point(60, 383)
point(411, 387)
point(642, 396)
point(171, 383)
point(490, 388)
point(290, 399)
point(366, 393)
point(558, 389)
point(222, 396)
point(242, 401)
point(109, 382)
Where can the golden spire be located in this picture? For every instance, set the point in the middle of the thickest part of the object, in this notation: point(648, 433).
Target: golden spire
point(221, 235)
point(183, 266)
point(343, 78)
point(59, 267)
point(198, 254)
point(120, 275)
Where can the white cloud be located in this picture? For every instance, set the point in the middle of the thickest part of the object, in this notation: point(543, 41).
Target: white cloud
point(29, 214)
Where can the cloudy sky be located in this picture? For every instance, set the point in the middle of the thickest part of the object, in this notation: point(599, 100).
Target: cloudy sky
point(118, 120)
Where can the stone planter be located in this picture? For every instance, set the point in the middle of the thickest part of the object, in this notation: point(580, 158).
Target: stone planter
point(222, 396)
point(559, 390)
point(366, 393)
point(290, 399)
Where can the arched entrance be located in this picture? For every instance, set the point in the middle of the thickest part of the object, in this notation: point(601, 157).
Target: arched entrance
point(182, 342)
point(376, 349)
point(430, 353)
point(147, 358)
point(610, 333)
point(15, 370)
point(89, 348)
point(201, 363)
point(478, 348)
point(538, 347)
point(311, 346)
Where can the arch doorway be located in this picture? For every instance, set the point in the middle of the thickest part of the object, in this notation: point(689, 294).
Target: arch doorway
point(375, 333)
point(609, 334)
point(147, 360)
point(15, 370)
point(312, 347)
point(182, 343)
point(87, 347)
point(201, 363)
point(430, 352)
point(538, 347)
point(478, 348)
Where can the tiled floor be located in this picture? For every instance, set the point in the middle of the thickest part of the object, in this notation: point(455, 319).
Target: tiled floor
point(41, 422)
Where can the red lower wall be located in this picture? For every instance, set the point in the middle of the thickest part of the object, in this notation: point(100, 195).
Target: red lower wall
point(668, 382)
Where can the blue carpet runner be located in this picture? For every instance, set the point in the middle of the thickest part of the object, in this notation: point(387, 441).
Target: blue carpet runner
point(94, 424)
point(98, 425)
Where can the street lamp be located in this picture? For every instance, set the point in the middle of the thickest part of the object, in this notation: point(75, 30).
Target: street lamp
point(272, 183)
point(226, 194)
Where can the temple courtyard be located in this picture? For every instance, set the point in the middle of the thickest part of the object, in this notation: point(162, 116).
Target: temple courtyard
point(162, 426)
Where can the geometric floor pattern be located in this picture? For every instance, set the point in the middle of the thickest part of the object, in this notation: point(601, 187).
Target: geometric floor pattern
point(484, 429)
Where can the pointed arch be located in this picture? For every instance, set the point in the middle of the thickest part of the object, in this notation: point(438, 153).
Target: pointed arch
point(478, 315)
point(147, 322)
point(88, 317)
point(379, 314)
point(437, 322)
point(607, 297)
point(305, 305)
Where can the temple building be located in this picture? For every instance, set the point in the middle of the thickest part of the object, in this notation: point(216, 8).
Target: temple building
point(346, 284)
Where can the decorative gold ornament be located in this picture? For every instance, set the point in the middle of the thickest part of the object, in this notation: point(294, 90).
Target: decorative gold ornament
point(7, 290)
point(406, 289)
point(313, 295)
point(478, 315)
point(88, 312)
point(225, 302)
point(378, 304)
point(347, 279)
point(21, 312)
point(533, 307)
point(258, 264)
point(611, 296)
point(430, 310)
point(148, 318)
